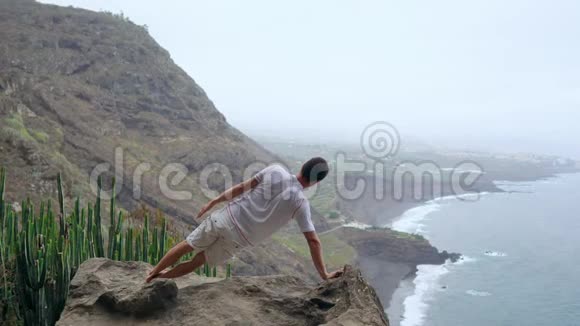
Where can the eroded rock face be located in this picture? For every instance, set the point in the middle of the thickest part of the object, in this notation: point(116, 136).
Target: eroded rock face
point(106, 292)
point(117, 287)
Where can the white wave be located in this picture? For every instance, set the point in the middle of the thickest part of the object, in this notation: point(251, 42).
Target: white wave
point(442, 199)
point(465, 259)
point(410, 221)
point(426, 283)
point(470, 196)
point(495, 253)
point(357, 225)
point(462, 171)
point(524, 186)
point(476, 293)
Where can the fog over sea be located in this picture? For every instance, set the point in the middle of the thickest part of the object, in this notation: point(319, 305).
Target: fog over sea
point(521, 265)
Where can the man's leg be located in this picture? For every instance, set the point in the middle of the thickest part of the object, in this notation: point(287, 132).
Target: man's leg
point(170, 258)
point(185, 268)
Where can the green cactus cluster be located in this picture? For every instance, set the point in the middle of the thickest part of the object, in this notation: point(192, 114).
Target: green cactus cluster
point(40, 251)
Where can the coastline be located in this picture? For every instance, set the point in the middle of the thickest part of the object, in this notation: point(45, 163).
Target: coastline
point(382, 212)
point(408, 302)
point(386, 275)
point(389, 275)
point(386, 268)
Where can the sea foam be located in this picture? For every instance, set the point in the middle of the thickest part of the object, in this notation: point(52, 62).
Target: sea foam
point(426, 281)
point(410, 221)
point(464, 259)
point(357, 225)
point(476, 293)
point(426, 284)
point(495, 254)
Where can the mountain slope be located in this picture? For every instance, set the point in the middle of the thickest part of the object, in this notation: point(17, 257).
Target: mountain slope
point(75, 85)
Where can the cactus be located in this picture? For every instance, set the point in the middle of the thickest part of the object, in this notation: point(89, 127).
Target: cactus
point(39, 253)
point(129, 245)
point(61, 205)
point(207, 270)
point(118, 237)
point(162, 240)
point(112, 228)
point(90, 233)
point(154, 246)
point(3, 265)
point(100, 251)
point(145, 238)
point(2, 187)
point(31, 262)
point(138, 253)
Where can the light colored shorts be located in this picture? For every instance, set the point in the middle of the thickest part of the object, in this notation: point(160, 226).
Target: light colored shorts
point(217, 237)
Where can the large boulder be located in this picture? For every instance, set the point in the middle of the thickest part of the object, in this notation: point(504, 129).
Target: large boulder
point(110, 293)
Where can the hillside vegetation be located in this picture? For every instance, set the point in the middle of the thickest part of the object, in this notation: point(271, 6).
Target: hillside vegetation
point(75, 85)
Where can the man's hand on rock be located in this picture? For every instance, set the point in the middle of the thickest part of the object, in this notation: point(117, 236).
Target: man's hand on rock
point(152, 276)
point(334, 274)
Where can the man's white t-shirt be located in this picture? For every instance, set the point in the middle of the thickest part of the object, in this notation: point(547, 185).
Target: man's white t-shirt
point(277, 199)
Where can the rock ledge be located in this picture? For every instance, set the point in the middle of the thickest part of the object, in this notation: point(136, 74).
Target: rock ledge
point(106, 292)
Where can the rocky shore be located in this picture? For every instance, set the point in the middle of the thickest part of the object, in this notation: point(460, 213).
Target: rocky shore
point(386, 269)
point(387, 257)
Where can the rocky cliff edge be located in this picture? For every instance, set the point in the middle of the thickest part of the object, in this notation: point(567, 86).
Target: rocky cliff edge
point(105, 292)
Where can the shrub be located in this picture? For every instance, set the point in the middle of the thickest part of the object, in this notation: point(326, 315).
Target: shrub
point(333, 215)
point(14, 127)
point(40, 136)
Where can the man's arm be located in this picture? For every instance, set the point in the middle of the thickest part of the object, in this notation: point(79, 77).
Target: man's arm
point(316, 252)
point(229, 194)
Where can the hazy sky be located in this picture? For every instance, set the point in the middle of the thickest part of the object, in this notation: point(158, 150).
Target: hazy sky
point(489, 74)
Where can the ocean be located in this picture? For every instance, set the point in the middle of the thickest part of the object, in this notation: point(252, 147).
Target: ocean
point(521, 265)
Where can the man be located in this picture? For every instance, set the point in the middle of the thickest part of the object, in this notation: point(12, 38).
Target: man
point(256, 209)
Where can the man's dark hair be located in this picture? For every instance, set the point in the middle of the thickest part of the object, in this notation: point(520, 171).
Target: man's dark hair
point(314, 170)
